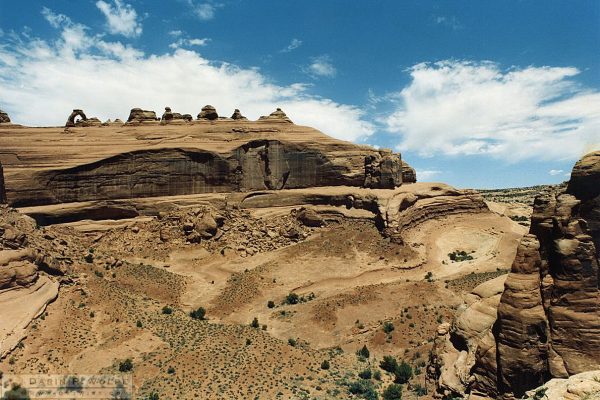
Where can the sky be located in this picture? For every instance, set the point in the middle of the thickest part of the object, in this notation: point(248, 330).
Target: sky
point(477, 94)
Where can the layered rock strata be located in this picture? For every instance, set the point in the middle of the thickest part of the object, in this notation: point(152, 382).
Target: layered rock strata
point(548, 322)
point(167, 160)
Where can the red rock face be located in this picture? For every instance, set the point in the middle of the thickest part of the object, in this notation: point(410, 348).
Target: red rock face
point(2, 188)
point(549, 315)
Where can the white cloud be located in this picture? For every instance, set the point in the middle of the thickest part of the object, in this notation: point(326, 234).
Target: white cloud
point(189, 42)
point(465, 108)
point(449, 21)
point(175, 33)
point(555, 172)
point(121, 19)
point(42, 81)
point(321, 67)
point(204, 11)
point(294, 44)
point(424, 175)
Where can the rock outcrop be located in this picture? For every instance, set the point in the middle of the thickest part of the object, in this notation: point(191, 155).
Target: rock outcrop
point(76, 113)
point(408, 173)
point(237, 115)
point(277, 115)
point(153, 160)
point(2, 188)
point(548, 322)
point(583, 386)
point(209, 113)
point(4, 118)
point(169, 116)
point(138, 115)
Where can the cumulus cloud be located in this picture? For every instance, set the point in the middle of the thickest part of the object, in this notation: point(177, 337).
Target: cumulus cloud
point(467, 108)
point(189, 42)
point(294, 44)
point(204, 11)
point(42, 81)
point(321, 67)
point(555, 172)
point(121, 18)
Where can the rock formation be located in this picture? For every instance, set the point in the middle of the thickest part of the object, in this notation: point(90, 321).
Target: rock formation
point(169, 116)
point(383, 170)
point(277, 115)
point(237, 115)
point(149, 160)
point(4, 117)
point(408, 173)
point(548, 322)
point(2, 188)
point(208, 112)
point(139, 115)
point(76, 113)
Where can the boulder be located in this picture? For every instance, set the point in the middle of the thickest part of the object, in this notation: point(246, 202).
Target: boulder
point(408, 173)
point(169, 116)
point(139, 115)
point(209, 113)
point(383, 170)
point(4, 117)
point(76, 113)
point(237, 115)
point(309, 217)
point(277, 115)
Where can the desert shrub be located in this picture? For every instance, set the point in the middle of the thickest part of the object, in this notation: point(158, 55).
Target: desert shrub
point(292, 342)
point(403, 373)
point(255, 323)
point(540, 393)
point(200, 314)
point(325, 364)
point(388, 327)
point(365, 374)
point(388, 364)
point(16, 393)
point(459, 255)
point(292, 298)
point(419, 390)
point(153, 396)
point(139, 324)
point(363, 388)
point(167, 310)
point(271, 304)
point(171, 370)
point(392, 392)
point(377, 375)
point(363, 352)
point(126, 366)
point(248, 342)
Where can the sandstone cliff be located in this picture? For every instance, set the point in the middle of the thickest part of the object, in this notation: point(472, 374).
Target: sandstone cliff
point(548, 322)
point(97, 163)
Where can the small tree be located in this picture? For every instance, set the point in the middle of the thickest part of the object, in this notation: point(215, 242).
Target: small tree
point(292, 298)
point(167, 310)
point(200, 314)
point(392, 392)
point(388, 364)
point(363, 352)
point(365, 374)
point(325, 364)
point(16, 393)
point(270, 304)
point(126, 366)
point(388, 327)
point(292, 342)
point(403, 373)
point(255, 323)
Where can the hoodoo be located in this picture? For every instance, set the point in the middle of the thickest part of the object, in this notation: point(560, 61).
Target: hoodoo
point(208, 112)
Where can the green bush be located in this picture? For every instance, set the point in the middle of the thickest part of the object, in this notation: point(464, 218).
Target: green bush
point(363, 388)
point(271, 304)
point(292, 298)
point(388, 327)
point(167, 310)
point(153, 396)
point(363, 352)
point(16, 393)
point(365, 374)
point(126, 366)
point(200, 314)
point(377, 375)
point(388, 364)
point(255, 323)
point(292, 342)
point(459, 255)
point(392, 392)
point(403, 373)
point(325, 364)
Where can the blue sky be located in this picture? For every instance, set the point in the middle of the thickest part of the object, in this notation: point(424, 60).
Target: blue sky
point(475, 94)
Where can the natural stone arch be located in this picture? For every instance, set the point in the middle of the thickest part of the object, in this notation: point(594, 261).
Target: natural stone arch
point(76, 113)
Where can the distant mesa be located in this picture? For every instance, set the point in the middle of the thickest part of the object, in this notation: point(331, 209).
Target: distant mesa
point(139, 115)
point(4, 117)
point(277, 115)
point(170, 116)
point(209, 113)
point(237, 115)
